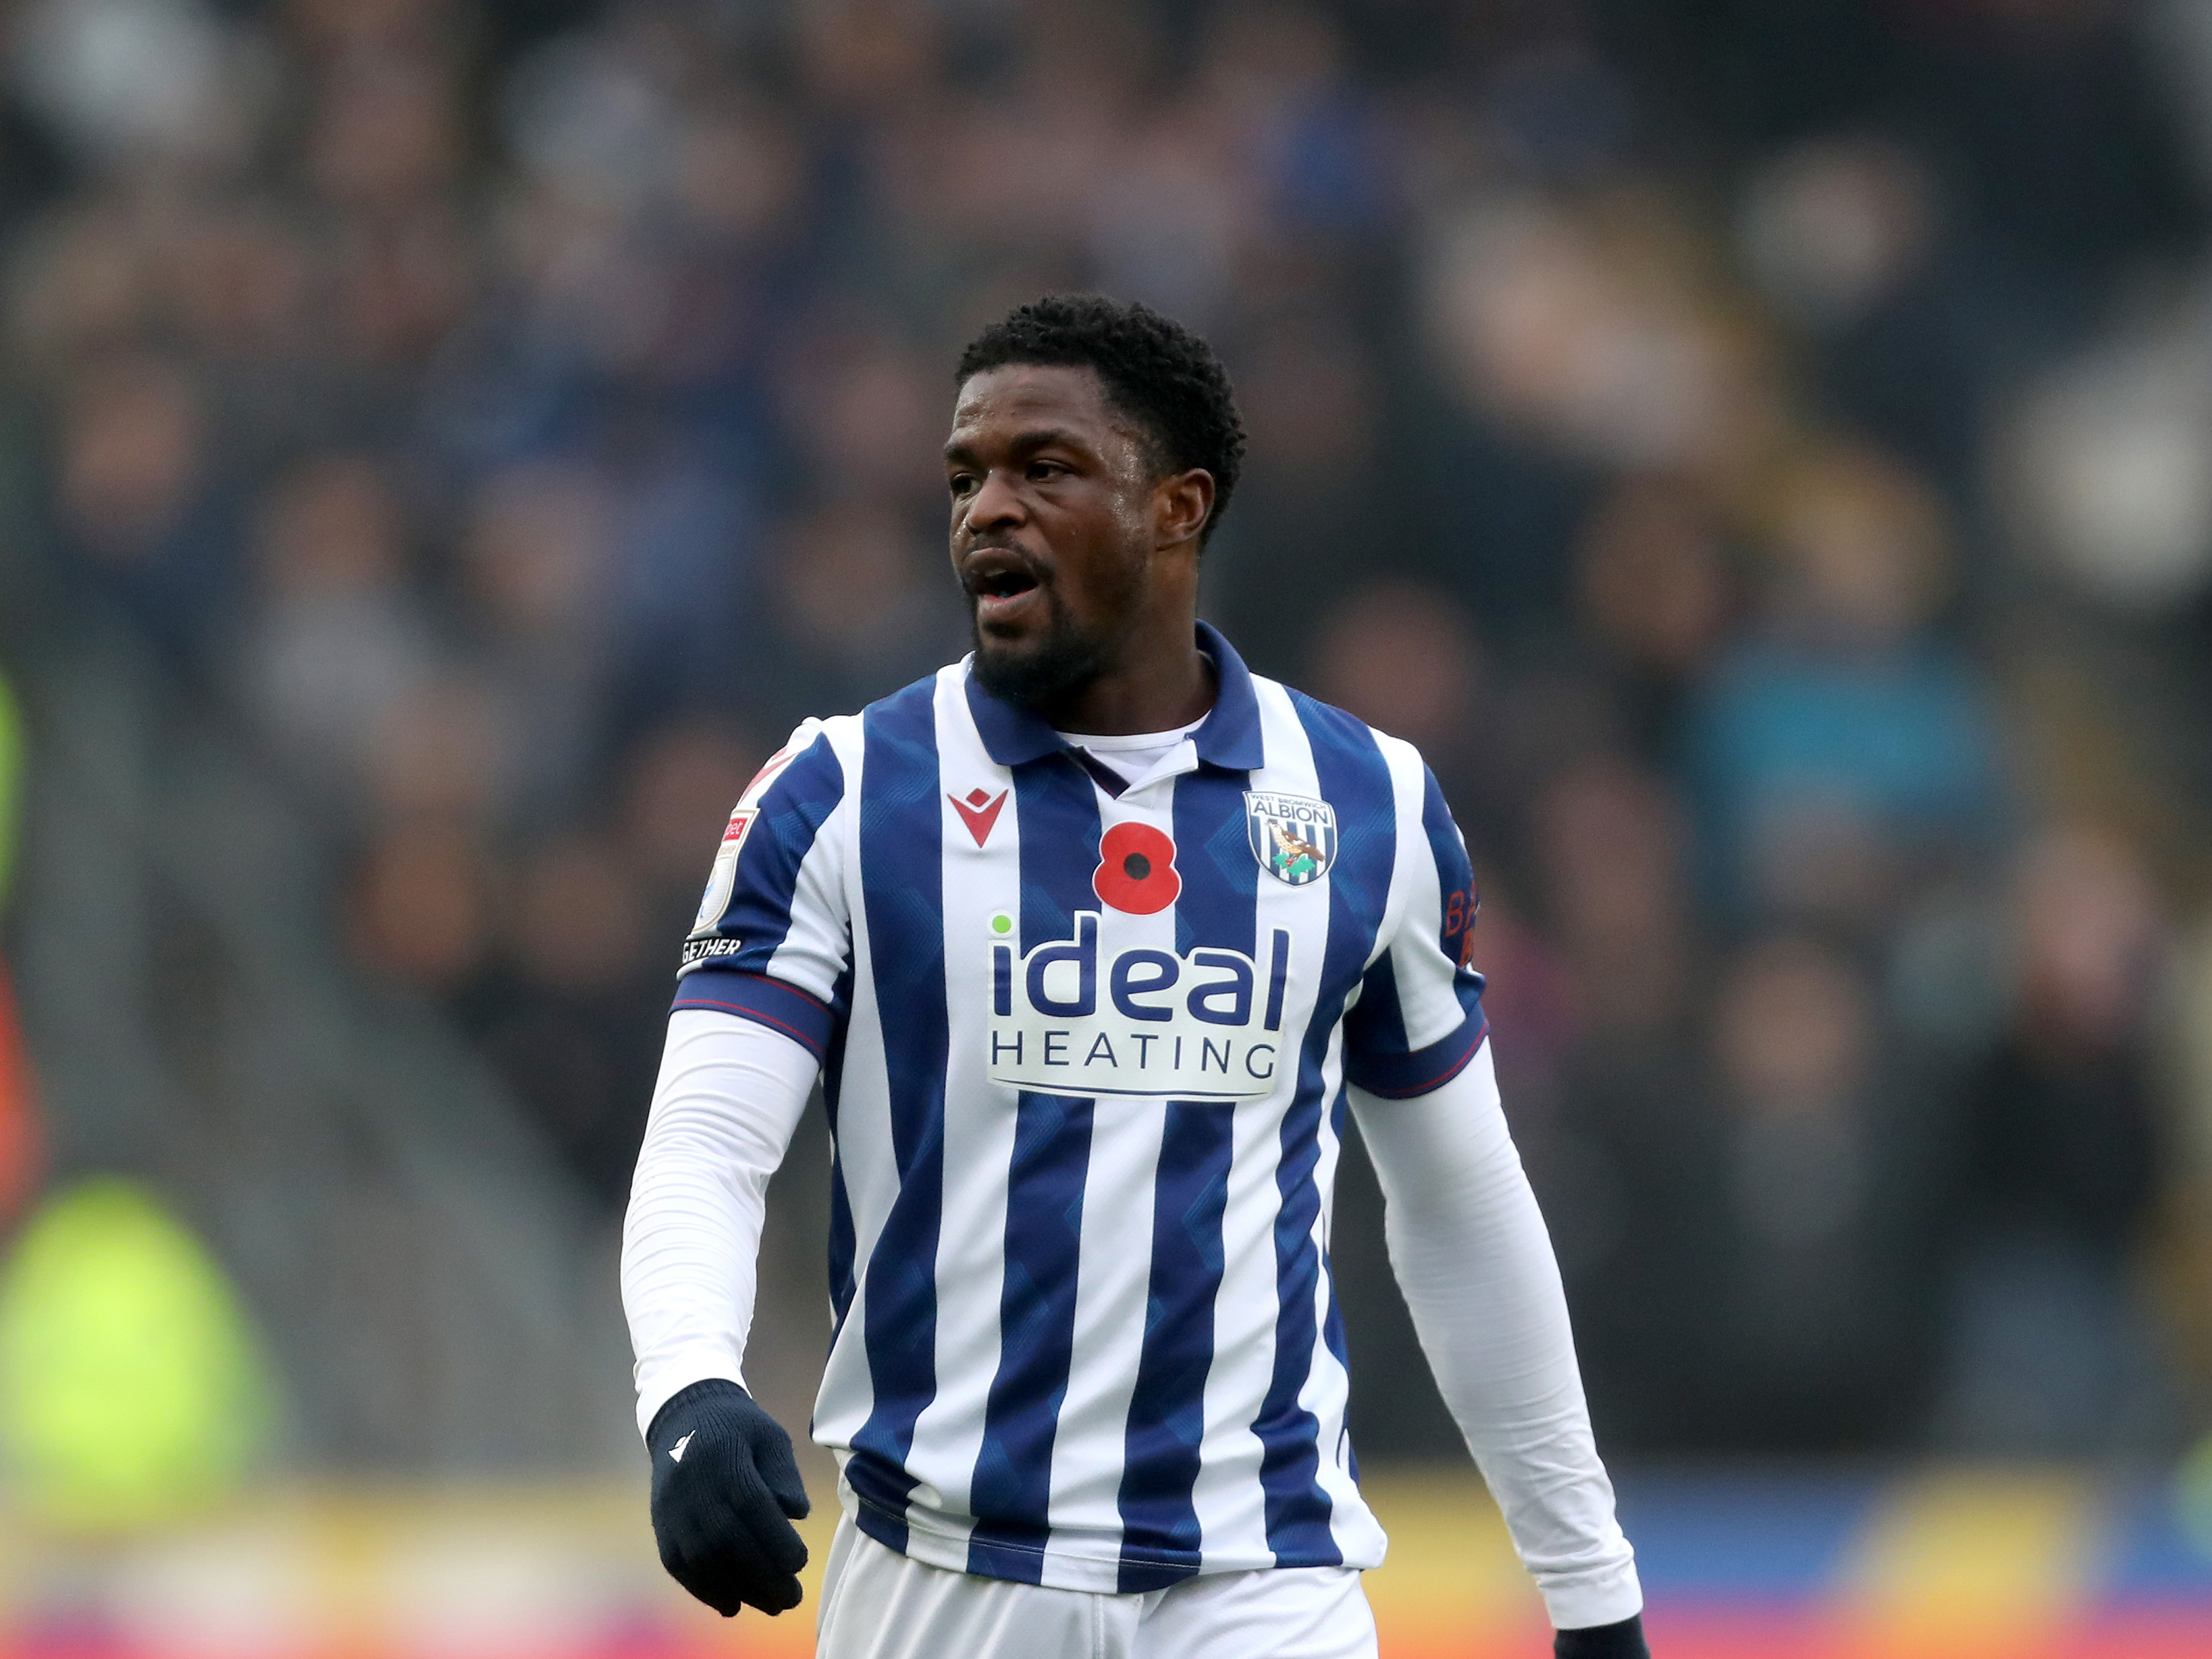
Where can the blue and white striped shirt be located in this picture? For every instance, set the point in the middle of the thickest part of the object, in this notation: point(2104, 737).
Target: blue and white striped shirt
point(1085, 1048)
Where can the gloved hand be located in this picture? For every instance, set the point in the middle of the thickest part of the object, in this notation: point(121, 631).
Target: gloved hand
point(724, 1480)
point(1622, 1641)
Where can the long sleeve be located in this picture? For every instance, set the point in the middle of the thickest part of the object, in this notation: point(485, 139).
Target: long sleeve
point(730, 1093)
point(1472, 1255)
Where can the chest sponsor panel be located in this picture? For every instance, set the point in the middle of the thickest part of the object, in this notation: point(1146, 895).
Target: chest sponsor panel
point(1067, 1018)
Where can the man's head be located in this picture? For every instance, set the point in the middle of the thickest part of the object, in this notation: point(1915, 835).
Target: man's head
point(1093, 448)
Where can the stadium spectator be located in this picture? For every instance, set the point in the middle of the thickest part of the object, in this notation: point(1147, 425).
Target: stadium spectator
point(336, 637)
point(570, 1021)
point(1631, 1162)
point(1658, 595)
point(2059, 1169)
point(1830, 1156)
point(1844, 752)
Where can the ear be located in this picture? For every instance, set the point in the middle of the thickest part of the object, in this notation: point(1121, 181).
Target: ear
point(1181, 506)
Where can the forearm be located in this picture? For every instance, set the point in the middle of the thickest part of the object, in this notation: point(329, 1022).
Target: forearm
point(1471, 1253)
point(729, 1095)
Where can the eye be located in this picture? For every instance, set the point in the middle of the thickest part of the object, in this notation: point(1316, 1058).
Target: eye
point(1039, 471)
point(962, 482)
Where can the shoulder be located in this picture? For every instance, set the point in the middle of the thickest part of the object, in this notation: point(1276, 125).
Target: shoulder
point(845, 732)
point(911, 708)
point(1328, 727)
point(812, 765)
point(910, 700)
point(840, 740)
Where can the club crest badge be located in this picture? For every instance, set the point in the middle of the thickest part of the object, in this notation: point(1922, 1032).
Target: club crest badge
point(1293, 836)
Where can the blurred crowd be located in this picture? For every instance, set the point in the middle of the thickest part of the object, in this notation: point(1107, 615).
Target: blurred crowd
point(1763, 455)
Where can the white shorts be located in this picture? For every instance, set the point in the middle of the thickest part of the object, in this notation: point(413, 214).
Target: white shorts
point(877, 1604)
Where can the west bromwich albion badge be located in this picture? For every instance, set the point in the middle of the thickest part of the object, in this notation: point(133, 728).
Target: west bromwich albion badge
point(1293, 836)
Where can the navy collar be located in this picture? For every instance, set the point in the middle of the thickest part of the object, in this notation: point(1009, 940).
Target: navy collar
point(1229, 738)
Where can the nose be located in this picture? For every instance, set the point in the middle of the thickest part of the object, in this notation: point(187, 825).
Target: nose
point(996, 505)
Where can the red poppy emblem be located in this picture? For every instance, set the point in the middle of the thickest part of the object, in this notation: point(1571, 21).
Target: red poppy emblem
point(1136, 869)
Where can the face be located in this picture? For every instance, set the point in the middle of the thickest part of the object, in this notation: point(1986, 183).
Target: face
point(1066, 543)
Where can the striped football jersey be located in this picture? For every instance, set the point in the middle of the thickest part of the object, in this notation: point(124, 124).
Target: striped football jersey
point(1084, 1050)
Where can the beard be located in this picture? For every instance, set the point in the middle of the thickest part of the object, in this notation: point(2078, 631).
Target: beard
point(1049, 673)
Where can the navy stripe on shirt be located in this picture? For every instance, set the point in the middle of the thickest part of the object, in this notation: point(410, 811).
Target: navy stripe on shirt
point(901, 826)
point(790, 812)
point(841, 1283)
point(1376, 1045)
point(1161, 1537)
point(1057, 813)
point(1011, 1491)
point(1350, 772)
point(1218, 908)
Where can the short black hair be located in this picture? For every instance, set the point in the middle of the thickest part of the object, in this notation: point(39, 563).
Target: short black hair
point(1154, 370)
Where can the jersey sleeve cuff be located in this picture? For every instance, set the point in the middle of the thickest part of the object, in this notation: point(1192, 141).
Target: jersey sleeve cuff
point(1605, 1595)
point(777, 1004)
point(662, 1378)
point(1401, 1077)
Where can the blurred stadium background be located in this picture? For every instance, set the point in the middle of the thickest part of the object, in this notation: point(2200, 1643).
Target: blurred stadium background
point(1762, 454)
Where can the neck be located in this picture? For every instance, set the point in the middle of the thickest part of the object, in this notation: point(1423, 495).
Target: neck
point(1161, 681)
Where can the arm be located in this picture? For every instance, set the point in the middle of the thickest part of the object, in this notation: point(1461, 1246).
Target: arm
point(1471, 1253)
point(756, 1007)
point(726, 1487)
point(730, 1094)
point(1467, 1241)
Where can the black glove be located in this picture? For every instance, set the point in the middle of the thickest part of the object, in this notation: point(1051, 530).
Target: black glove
point(723, 1482)
point(1622, 1641)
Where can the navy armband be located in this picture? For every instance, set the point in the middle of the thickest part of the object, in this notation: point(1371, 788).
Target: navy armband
point(777, 1004)
point(1401, 1077)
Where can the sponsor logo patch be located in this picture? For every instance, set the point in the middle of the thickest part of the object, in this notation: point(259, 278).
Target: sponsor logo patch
point(1293, 836)
point(1069, 1019)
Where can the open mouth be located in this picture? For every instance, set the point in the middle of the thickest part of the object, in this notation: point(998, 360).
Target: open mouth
point(1002, 584)
point(1000, 581)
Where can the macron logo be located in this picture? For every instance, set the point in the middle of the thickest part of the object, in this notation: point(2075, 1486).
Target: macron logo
point(676, 1451)
point(980, 812)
